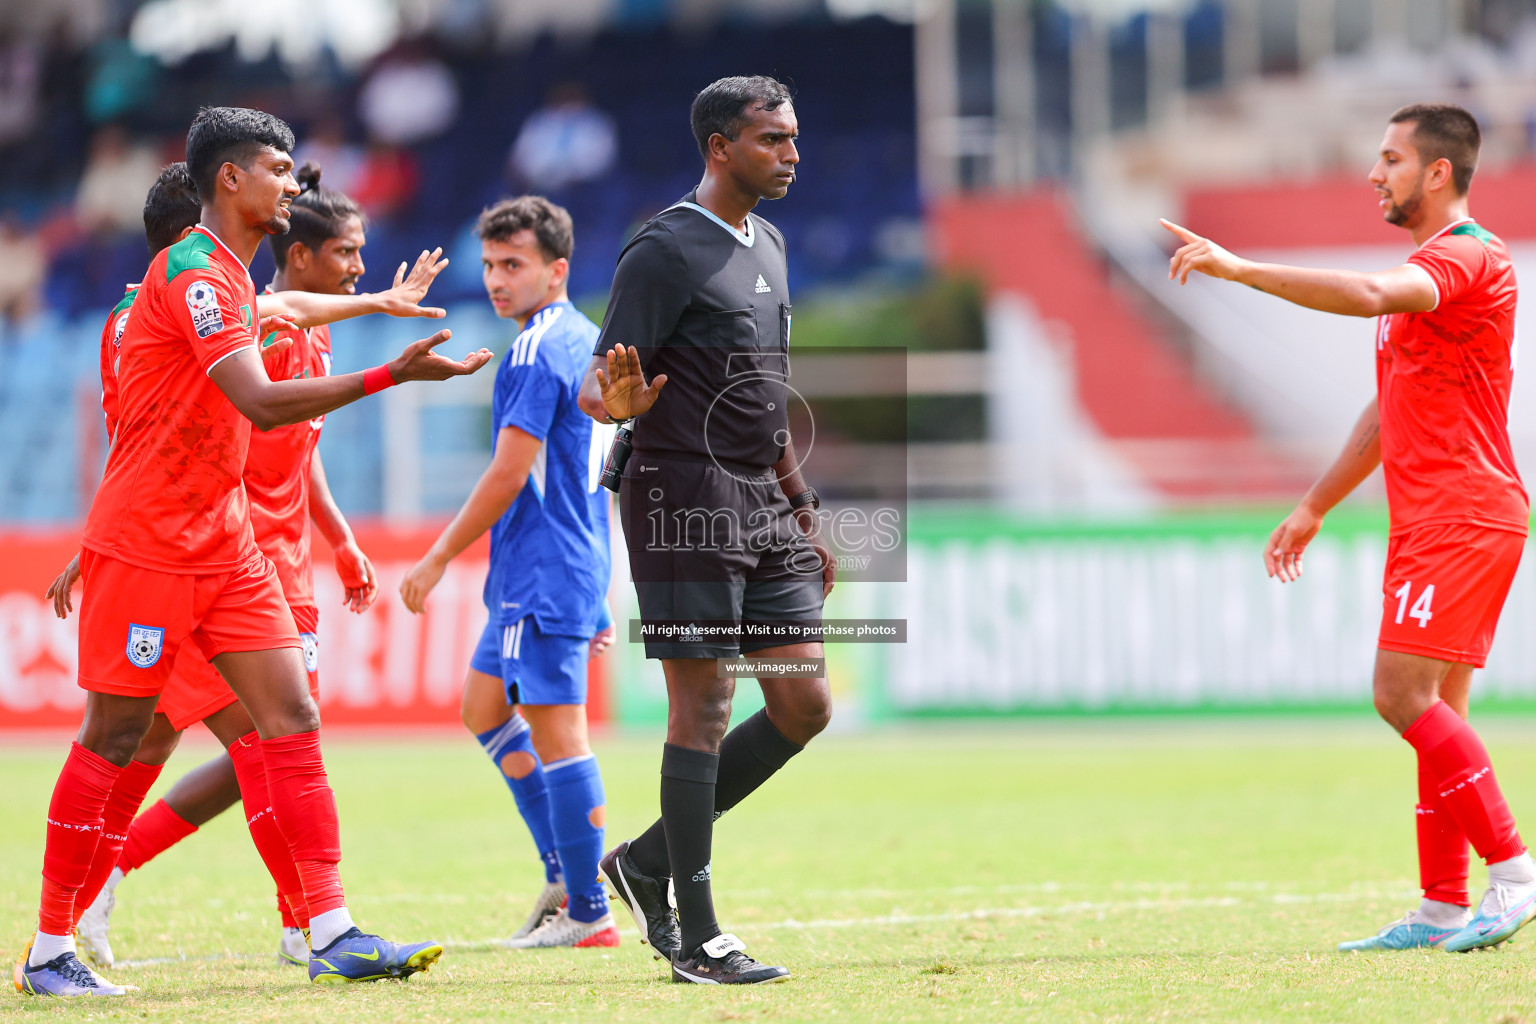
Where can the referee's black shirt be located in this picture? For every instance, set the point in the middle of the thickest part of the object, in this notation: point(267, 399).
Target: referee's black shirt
point(709, 307)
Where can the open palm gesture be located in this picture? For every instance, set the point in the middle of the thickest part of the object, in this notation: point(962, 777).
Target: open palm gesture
point(419, 362)
point(404, 296)
point(625, 392)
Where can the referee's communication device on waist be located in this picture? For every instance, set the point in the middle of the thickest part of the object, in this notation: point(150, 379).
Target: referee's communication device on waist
point(618, 455)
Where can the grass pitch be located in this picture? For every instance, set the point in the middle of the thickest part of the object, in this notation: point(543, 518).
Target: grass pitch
point(1056, 871)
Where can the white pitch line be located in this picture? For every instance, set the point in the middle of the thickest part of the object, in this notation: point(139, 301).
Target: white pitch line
point(159, 961)
point(982, 913)
point(893, 920)
point(887, 920)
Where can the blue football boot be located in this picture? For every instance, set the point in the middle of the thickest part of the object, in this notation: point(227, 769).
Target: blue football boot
point(1404, 933)
point(1503, 911)
point(64, 975)
point(357, 956)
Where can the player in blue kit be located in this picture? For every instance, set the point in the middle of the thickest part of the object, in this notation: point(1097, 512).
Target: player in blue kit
point(547, 586)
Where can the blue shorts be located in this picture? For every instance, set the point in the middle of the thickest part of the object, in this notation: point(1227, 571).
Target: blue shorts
point(535, 667)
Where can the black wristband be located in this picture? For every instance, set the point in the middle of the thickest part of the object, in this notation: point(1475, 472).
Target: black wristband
point(804, 498)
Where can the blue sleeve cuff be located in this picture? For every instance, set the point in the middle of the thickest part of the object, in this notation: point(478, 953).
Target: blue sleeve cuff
point(604, 616)
point(532, 425)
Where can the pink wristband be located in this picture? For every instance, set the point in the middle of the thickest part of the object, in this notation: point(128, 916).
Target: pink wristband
point(377, 379)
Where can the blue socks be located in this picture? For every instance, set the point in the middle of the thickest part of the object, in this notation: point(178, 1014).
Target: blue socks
point(575, 793)
point(529, 791)
point(557, 802)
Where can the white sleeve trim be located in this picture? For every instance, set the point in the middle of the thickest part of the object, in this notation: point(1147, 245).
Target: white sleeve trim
point(226, 355)
point(1431, 279)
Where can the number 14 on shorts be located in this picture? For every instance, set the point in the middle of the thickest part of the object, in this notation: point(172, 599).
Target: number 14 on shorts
point(1421, 608)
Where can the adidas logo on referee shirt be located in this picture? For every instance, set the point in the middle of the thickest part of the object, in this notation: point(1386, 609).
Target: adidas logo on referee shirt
point(762, 286)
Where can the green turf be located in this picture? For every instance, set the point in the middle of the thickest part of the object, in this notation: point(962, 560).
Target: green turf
point(1124, 871)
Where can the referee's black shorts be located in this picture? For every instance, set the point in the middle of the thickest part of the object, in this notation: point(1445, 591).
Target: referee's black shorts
point(719, 564)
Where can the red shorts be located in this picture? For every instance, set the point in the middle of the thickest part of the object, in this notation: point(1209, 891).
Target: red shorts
point(1444, 588)
point(196, 690)
point(135, 622)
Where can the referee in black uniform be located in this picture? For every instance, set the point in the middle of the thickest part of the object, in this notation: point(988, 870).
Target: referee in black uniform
point(721, 527)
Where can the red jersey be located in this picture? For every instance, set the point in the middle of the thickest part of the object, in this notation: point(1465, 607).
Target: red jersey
point(171, 497)
point(111, 338)
point(1443, 380)
point(277, 469)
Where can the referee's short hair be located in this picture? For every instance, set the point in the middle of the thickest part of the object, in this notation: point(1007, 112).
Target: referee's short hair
point(722, 107)
point(550, 224)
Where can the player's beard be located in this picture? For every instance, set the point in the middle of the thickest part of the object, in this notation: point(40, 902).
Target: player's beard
point(1401, 213)
point(278, 225)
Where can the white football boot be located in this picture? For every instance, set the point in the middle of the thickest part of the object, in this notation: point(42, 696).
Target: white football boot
point(563, 930)
point(550, 900)
point(92, 933)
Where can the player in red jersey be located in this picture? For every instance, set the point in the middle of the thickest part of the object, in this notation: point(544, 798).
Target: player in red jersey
point(171, 555)
point(1438, 428)
point(195, 691)
point(285, 482)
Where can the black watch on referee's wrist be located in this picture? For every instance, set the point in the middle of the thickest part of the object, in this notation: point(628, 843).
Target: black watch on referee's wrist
point(804, 498)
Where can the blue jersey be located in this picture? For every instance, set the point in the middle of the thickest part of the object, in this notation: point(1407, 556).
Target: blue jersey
point(549, 552)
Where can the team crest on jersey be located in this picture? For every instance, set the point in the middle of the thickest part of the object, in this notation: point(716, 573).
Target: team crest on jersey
point(119, 327)
point(203, 302)
point(144, 644)
point(311, 644)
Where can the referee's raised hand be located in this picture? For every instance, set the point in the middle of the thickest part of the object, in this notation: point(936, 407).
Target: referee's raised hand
point(625, 392)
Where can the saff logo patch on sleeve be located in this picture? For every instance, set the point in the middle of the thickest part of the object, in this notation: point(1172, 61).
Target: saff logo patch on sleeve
point(203, 302)
point(144, 644)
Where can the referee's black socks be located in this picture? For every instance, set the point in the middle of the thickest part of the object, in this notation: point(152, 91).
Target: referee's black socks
point(749, 755)
point(688, 816)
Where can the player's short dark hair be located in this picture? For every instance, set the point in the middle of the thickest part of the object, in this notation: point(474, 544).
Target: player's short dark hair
point(316, 215)
point(221, 135)
point(1444, 131)
point(550, 224)
point(170, 207)
point(724, 107)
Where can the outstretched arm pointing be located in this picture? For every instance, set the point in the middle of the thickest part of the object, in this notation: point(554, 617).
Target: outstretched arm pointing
point(1404, 289)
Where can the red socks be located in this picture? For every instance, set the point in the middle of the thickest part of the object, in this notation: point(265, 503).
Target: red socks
point(1444, 857)
point(74, 828)
point(116, 822)
point(1456, 766)
point(305, 809)
point(276, 854)
point(151, 834)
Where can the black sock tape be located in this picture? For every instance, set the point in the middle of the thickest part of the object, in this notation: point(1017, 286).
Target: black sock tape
point(689, 765)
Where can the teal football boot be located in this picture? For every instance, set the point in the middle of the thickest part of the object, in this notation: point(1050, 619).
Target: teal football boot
point(1404, 933)
point(1502, 912)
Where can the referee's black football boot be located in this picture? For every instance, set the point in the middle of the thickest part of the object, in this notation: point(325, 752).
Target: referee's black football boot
point(723, 960)
point(646, 898)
